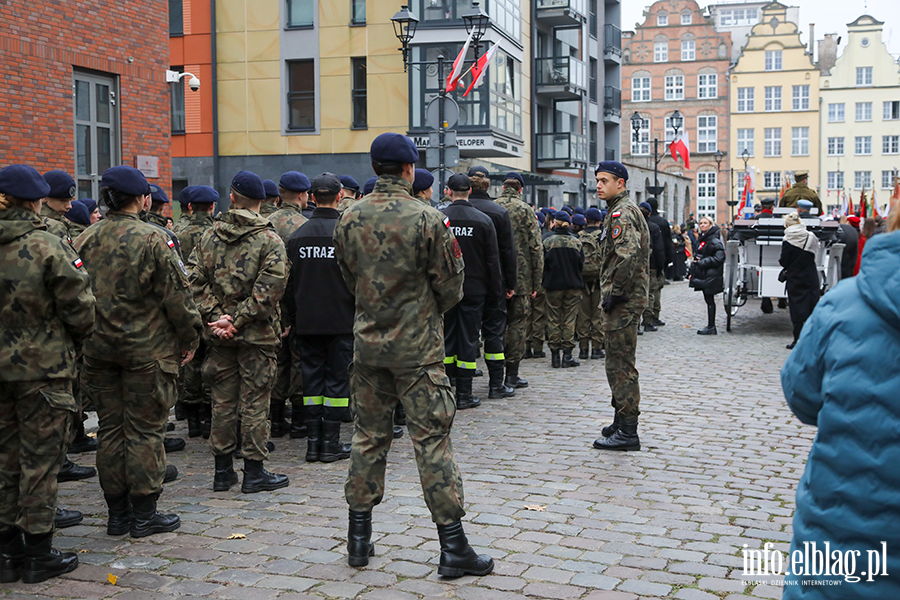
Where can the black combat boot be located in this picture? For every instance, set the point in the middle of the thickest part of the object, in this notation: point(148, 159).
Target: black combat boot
point(610, 429)
point(12, 555)
point(67, 518)
point(206, 420)
point(119, 522)
point(496, 387)
point(180, 411)
point(464, 397)
point(555, 361)
point(69, 471)
point(193, 420)
point(528, 352)
point(171, 474)
point(359, 539)
point(624, 439)
point(298, 422)
point(708, 330)
point(313, 439)
point(659, 323)
point(598, 353)
point(583, 353)
point(537, 350)
point(279, 426)
point(82, 443)
point(173, 444)
point(458, 558)
point(512, 376)
point(649, 326)
point(333, 449)
point(257, 479)
point(42, 561)
point(398, 432)
point(225, 476)
point(399, 414)
point(568, 361)
point(147, 521)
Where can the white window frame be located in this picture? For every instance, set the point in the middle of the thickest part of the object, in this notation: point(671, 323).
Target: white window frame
point(863, 111)
point(707, 193)
point(642, 147)
point(773, 60)
point(862, 180)
point(799, 141)
point(891, 110)
point(890, 144)
point(707, 134)
point(863, 76)
point(772, 102)
point(688, 50)
point(686, 17)
point(772, 141)
point(862, 145)
point(835, 180)
point(674, 87)
point(661, 52)
point(746, 141)
point(887, 180)
point(708, 85)
point(662, 19)
point(745, 99)
point(771, 180)
point(641, 89)
point(836, 112)
point(835, 146)
point(800, 97)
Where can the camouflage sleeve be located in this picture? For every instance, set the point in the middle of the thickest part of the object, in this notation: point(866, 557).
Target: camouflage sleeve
point(173, 288)
point(445, 264)
point(346, 259)
point(201, 286)
point(70, 288)
point(626, 238)
point(536, 252)
point(270, 283)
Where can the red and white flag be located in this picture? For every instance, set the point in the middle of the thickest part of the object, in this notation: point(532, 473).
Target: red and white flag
point(457, 70)
point(480, 69)
point(681, 146)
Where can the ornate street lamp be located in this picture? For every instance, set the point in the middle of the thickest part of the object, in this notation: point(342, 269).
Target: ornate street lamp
point(677, 122)
point(477, 22)
point(636, 123)
point(405, 22)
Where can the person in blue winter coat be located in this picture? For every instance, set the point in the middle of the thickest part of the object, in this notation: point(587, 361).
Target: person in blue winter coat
point(842, 378)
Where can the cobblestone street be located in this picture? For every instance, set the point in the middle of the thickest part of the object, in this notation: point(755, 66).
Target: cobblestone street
point(720, 460)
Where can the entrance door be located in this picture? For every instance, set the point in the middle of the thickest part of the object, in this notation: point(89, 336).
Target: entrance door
point(96, 130)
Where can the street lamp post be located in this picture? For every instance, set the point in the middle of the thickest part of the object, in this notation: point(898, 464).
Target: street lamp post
point(477, 22)
point(719, 155)
point(637, 122)
point(405, 23)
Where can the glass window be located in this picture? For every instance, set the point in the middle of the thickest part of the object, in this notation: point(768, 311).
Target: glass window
point(799, 141)
point(688, 50)
point(891, 110)
point(887, 180)
point(773, 98)
point(863, 111)
point(660, 51)
point(707, 134)
point(506, 15)
point(800, 97)
point(357, 12)
point(674, 87)
point(642, 147)
point(726, 18)
point(685, 17)
point(772, 180)
point(835, 146)
point(669, 133)
point(301, 95)
point(862, 145)
point(706, 193)
point(359, 93)
point(745, 99)
point(773, 60)
point(835, 180)
point(301, 13)
point(592, 81)
point(176, 90)
point(862, 180)
point(506, 93)
point(640, 89)
point(176, 17)
point(772, 141)
point(662, 18)
point(863, 76)
point(836, 113)
point(745, 141)
point(890, 144)
point(707, 85)
point(442, 10)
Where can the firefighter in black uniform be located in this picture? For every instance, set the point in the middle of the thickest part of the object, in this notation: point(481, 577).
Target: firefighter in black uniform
point(478, 241)
point(493, 325)
point(321, 308)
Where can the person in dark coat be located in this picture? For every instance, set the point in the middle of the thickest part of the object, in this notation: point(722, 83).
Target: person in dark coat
point(708, 270)
point(850, 239)
point(678, 269)
point(663, 223)
point(658, 244)
point(798, 258)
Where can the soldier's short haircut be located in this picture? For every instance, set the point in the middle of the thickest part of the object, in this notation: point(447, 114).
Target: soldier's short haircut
point(513, 184)
point(325, 198)
point(239, 198)
point(479, 182)
point(115, 199)
point(395, 169)
point(288, 195)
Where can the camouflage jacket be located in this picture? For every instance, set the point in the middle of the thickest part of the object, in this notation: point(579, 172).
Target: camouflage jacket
point(405, 269)
point(55, 223)
point(157, 219)
point(287, 220)
point(46, 304)
point(75, 229)
point(625, 257)
point(195, 226)
point(346, 203)
point(267, 207)
point(527, 239)
point(144, 309)
point(182, 223)
point(239, 268)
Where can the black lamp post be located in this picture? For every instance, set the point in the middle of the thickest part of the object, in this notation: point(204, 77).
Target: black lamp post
point(719, 156)
point(405, 23)
point(477, 22)
point(637, 122)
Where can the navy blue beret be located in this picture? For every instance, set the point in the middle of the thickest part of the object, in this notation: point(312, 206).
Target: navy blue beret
point(78, 213)
point(568, 209)
point(199, 194)
point(349, 183)
point(271, 189)
point(424, 180)
point(563, 216)
point(593, 214)
point(645, 205)
point(477, 170)
point(541, 218)
point(578, 219)
point(294, 181)
point(603, 214)
point(579, 210)
point(23, 182)
point(158, 195)
point(90, 204)
point(184, 196)
point(612, 167)
point(516, 176)
point(61, 184)
point(126, 180)
point(394, 148)
point(369, 187)
point(249, 184)
point(550, 212)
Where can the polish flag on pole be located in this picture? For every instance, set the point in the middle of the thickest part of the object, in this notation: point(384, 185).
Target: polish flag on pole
point(745, 194)
point(681, 146)
point(456, 72)
point(480, 69)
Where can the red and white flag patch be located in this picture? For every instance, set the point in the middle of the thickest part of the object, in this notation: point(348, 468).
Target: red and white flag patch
point(170, 243)
point(447, 222)
point(616, 214)
point(77, 262)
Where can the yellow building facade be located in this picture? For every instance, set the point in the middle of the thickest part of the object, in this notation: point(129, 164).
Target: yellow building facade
point(774, 92)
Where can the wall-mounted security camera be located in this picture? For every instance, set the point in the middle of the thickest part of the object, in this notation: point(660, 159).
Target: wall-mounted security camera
point(175, 77)
point(194, 84)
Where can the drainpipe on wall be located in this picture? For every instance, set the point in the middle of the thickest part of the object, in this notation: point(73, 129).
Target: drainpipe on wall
point(215, 95)
point(819, 187)
point(534, 111)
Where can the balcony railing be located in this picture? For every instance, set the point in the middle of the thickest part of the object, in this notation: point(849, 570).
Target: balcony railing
point(562, 13)
point(610, 154)
point(564, 72)
point(612, 40)
point(612, 101)
point(564, 148)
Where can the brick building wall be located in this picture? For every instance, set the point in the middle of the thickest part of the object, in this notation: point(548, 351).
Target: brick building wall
point(43, 44)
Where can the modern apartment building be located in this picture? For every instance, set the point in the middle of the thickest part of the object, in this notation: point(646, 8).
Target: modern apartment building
point(676, 60)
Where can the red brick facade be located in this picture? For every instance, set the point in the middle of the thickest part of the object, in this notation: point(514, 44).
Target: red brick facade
point(712, 52)
point(42, 45)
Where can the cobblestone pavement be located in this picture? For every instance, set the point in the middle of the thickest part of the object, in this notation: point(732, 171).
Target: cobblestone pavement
point(720, 461)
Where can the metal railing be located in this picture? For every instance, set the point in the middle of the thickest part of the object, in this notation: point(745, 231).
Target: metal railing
point(579, 6)
point(563, 70)
point(569, 147)
point(612, 39)
point(612, 100)
point(610, 154)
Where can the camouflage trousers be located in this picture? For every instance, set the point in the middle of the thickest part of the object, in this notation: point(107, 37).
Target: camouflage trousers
point(36, 421)
point(430, 408)
point(193, 389)
point(537, 324)
point(562, 311)
point(589, 325)
point(518, 314)
point(289, 374)
point(622, 375)
point(133, 403)
point(657, 282)
point(241, 378)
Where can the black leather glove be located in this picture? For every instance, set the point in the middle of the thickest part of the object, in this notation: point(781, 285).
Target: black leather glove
point(611, 302)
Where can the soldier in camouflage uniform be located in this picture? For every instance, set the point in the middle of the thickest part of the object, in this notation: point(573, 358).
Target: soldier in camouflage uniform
point(563, 261)
point(46, 310)
point(589, 326)
point(624, 284)
point(405, 269)
point(155, 215)
point(270, 204)
point(58, 203)
point(289, 374)
point(349, 192)
point(238, 275)
point(529, 271)
point(77, 219)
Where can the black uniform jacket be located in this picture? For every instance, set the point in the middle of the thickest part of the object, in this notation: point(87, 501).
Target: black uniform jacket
point(503, 226)
point(318, 300)
point(477, 239)
point(563, 261)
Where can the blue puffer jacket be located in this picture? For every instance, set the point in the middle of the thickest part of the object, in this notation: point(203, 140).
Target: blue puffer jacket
point(843, 377)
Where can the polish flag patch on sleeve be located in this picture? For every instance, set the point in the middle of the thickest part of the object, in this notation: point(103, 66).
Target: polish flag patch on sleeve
point(616, 214)
point(170, 243)
point(77, 262)
point(447, 222)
